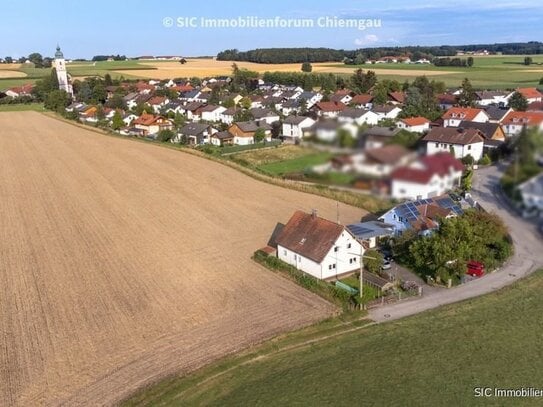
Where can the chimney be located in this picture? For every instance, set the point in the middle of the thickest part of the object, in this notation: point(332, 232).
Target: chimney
point(314, 213)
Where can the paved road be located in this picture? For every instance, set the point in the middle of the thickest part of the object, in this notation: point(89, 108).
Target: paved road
point(528, 255)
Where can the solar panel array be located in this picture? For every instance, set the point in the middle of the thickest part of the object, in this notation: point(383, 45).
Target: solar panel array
point(448, 203)
point(409, 212)
point(358, 230)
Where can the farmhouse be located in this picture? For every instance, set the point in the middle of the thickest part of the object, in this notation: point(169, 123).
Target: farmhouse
point(264, 115)
point(363, 101)
point(429, 176)
point(212, 113)
point(486, 97)
point(358, 116)
point(319, 247)
point(18, 91)
point(492, 132)
point(455, 115)
point(462, 142)
point(414, 124)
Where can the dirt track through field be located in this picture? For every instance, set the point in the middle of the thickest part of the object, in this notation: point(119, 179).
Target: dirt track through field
point(122, 262)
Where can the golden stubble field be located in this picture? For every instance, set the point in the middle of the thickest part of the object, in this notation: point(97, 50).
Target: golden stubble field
point(203, 67)
point(123, 262)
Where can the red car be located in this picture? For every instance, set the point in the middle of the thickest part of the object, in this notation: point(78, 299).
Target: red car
point(475, 269)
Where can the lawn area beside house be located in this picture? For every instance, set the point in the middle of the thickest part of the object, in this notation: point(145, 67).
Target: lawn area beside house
point(436, 358)
point(296, 165)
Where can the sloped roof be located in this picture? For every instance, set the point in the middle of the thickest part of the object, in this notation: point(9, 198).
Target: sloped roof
point(486, 129)
point(438, 164)
point(530, 93)
point(390, 154)
point(454, 135)
point(416, 121)
point(523, 118)
point(463, 113)
point(309, 235)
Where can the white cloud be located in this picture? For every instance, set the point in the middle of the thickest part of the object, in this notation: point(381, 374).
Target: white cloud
point(368, 39)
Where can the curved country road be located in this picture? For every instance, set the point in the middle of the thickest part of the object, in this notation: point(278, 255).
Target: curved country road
point(528, 255)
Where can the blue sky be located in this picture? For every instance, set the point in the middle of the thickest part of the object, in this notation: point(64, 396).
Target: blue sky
point(136, 27)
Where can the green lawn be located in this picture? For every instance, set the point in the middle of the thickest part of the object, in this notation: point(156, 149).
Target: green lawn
point(295, 165)
point(433, 359)
point(36, 107)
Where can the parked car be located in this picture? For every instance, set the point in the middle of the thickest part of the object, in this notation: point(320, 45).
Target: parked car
point(475, 268)
point(386, 265)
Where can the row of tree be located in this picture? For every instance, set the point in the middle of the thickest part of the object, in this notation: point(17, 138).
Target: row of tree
point(461, 62)
point(282, 55)
point(36, 58)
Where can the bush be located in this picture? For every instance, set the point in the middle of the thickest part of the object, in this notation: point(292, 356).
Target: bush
point(485, 160)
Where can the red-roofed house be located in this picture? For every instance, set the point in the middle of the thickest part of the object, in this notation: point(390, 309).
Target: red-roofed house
point(396, 98)
point(18, 91)
point(455, 115)
point(364, 100)
point(417, 124)
point(514, 122)
point(328, 109)
point(157, 102)
point(151, 124)
point(427, 177)
point(531, 94)
point(318, 247)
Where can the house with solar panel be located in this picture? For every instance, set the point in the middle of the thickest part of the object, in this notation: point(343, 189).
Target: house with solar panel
point(422, 216)
point(369, 233)
point(319, 247)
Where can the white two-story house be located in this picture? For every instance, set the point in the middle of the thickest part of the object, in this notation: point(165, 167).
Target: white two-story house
point(318, 247)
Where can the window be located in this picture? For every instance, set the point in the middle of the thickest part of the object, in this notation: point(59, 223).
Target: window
point(284, 252)
point(336, 249)
point(469, 147)
point(349, 246)
point(331, 266)
point(437, 145)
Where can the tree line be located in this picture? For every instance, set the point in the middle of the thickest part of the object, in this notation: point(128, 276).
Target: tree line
point(282, 55)
point(299, 55)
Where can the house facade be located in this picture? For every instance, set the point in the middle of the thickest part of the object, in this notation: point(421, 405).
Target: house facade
point(318, 247)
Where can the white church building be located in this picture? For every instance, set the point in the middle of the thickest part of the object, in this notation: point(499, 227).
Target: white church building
point(62, 76)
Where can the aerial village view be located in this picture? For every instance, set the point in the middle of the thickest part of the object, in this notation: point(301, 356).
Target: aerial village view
point(271, 204)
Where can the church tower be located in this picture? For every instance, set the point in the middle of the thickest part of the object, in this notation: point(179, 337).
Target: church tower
point(62, 75)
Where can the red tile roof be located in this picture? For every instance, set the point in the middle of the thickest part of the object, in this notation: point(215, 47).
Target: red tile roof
point(438, 164)
point(397, 96)
point(523, 118)
point(309, 235)
point(147, 119)
point(530, 93)
point(330, 106)
point(362, 99)
point(463, 113)
point(157, 100)
point(24, 89)
point(415, 121)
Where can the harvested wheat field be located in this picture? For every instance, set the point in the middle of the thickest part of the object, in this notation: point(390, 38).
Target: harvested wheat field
point(203, 67)
point(122, 262)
